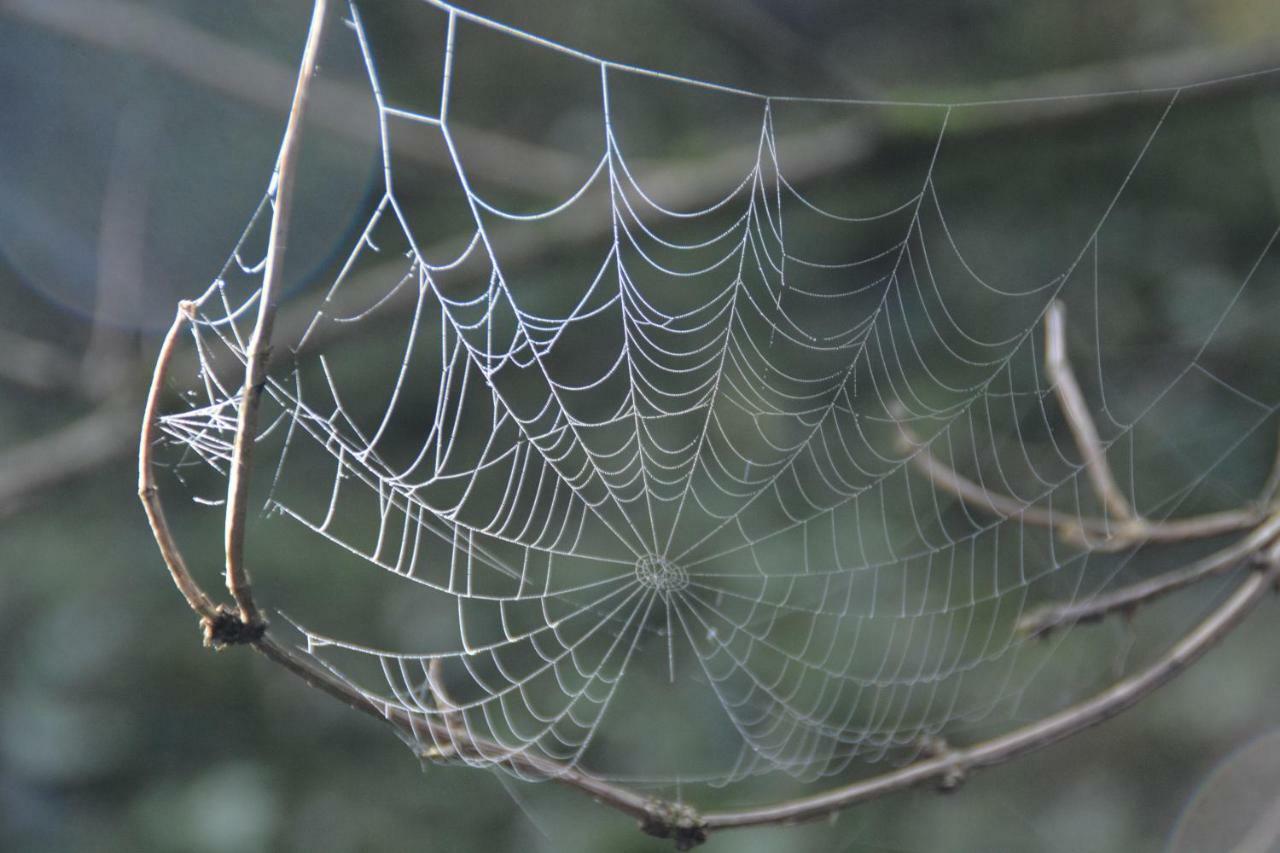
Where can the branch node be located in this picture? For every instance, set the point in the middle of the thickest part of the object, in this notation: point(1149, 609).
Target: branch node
point(954, 775)
point(677, 821)
point(225, 628)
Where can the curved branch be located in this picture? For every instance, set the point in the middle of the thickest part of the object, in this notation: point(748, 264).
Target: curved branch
point(225, 626)
point(1125, 600)
point(467, 746)
point(952, 763)
point(148, 493)
point(1093, 532)
point(1100, 533)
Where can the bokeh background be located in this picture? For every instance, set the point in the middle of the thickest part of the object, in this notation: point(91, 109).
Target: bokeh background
point(136, 139)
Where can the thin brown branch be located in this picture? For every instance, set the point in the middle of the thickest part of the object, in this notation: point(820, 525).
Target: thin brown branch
point(1067, 390)
point(1127, 599)
point(945, 766)
point(259, 350)
point(147, 490)
point(629, 802)
point(1087, 531)
point(1102, 706)
point(223, 626)
point(1101, 533)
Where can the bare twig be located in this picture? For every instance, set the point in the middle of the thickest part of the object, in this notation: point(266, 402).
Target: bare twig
point(259, 350)
point(1067, 390)
point(1106, 704)
point(1100, 533)
point(629, 802)
point(1087, 531)
point(147, 490)
point(225, 626)
point(1125, 600)
point(678, 821)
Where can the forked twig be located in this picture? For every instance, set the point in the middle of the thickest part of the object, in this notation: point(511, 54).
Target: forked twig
point(1125, 600)
point(1093, 532)
point(224, 626)
point(685, 826)
point(676, 820)
point(242, 625)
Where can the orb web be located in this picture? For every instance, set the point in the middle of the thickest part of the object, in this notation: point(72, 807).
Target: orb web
point(683, 474)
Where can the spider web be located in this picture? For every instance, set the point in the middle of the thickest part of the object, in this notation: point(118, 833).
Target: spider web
point(667, 499)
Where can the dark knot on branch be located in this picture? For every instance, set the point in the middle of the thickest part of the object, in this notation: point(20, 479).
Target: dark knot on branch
point(676, 821)
point(226, 628)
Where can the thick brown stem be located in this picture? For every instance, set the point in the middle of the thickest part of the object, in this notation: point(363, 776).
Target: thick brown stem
point(259, 349)
point(147, 490)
